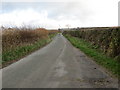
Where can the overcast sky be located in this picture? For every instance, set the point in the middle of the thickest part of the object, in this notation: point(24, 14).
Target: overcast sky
point(59, 13)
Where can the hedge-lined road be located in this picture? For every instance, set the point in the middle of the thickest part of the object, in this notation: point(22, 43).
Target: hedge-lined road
point(57, 65)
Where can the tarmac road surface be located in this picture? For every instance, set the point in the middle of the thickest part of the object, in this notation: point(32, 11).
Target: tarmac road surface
point(57, 65)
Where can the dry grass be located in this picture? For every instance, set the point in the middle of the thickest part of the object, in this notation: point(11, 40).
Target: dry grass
point(15, 37)
point(17, 43)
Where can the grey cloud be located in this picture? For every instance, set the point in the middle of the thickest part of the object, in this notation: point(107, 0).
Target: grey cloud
point(55, 9)
point(69, 10)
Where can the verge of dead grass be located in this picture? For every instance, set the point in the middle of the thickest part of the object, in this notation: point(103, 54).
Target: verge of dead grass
point(17, 43)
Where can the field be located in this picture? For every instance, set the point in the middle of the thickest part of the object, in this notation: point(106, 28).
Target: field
point(16, 43)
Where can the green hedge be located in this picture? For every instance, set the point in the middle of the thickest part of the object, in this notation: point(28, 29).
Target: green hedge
point(109, 63)
point(105, 39)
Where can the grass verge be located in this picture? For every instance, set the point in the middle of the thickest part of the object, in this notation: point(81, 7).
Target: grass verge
point(11, 56)
point(99, 57)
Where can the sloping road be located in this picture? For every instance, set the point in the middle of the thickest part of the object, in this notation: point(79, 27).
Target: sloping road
point(57, 65)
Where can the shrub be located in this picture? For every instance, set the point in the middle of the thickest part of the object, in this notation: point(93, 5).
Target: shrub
point(107, 39)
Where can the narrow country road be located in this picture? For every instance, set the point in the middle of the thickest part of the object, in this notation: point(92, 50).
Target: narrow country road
point(57, 65)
